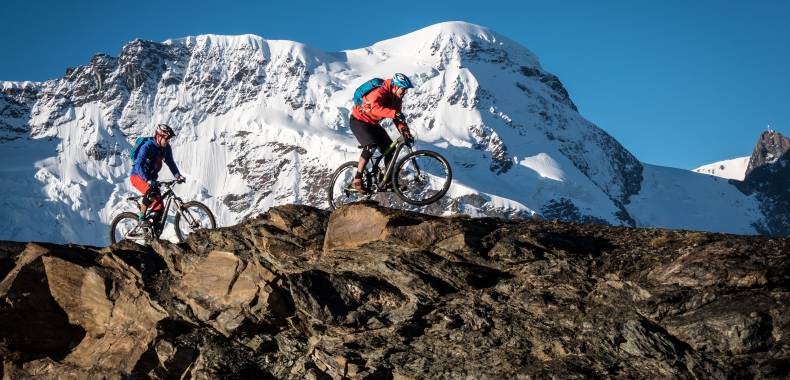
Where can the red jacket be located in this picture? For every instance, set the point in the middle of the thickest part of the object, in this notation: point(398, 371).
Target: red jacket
point(381, 103)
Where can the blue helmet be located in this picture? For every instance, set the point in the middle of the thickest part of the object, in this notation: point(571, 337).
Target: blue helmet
point(401, 81)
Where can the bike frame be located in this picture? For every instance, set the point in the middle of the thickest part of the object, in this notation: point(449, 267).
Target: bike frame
point(398, 145)
point(169, 197)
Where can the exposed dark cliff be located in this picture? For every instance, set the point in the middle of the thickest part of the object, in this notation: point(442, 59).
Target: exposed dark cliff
point(370, 292)
point(768, 178)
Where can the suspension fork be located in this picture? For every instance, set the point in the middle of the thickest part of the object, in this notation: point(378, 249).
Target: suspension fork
point(179, 205)
point(416, 166)
point(180, 209)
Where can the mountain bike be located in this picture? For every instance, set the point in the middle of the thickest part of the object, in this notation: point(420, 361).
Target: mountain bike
point(420, 177)
point(189, 217)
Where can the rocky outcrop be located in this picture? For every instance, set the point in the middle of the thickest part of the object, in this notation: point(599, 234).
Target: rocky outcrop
point(768, 178)
point(16, 99)
point(769, 150)
point(368, 292)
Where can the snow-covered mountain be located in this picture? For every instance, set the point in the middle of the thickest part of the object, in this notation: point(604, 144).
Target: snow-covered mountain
point(730, 169)
point(264, 122)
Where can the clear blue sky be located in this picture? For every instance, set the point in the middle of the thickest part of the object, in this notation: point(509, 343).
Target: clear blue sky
point(678, 83)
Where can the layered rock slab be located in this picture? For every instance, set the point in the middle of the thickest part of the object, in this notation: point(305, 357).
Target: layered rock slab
point(370, 292)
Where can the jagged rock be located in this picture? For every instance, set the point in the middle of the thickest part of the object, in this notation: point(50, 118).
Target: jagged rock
point(768, 178)
point(369, 292)
point(100, 319)
point(219, 286)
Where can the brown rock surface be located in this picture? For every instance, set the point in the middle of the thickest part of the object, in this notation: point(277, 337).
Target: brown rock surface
point(374, 293)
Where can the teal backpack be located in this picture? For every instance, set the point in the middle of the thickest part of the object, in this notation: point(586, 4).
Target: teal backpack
point(365, 88)
point(137, 144)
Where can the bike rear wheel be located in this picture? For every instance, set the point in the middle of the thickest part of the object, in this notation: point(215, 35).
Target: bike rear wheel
point(341, 190)
point(422, 177)
point(192, 217)
point(126, 226)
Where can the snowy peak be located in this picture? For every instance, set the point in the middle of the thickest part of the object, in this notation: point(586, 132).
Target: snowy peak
point(224, 41)
point(9, 86)
point(250, 43)
point(729, 169)
point(457, 32)
point(457, 40)
point(460, 29)
point(442, 35)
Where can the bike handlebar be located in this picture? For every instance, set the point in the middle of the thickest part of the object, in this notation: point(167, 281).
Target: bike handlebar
point(169, 183)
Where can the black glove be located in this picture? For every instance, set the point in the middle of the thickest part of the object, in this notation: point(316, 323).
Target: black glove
point(407, 136)
point(399, 117)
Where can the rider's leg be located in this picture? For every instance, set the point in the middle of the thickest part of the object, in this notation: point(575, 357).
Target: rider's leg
point(367, 152)
point(383, 141)
point(143, 187)
point(153, 198)
point(363, 132)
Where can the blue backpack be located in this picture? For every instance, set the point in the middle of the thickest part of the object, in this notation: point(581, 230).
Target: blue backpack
point(365, 88)
point(137, 144)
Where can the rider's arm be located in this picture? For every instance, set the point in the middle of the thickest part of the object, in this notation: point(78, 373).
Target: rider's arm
point(376, 109)
point(170, 163)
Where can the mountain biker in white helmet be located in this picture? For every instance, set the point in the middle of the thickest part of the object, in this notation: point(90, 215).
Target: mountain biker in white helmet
point(148, 162)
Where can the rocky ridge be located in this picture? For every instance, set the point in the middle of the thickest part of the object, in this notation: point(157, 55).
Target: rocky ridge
point(368, 292)
point(768, 178)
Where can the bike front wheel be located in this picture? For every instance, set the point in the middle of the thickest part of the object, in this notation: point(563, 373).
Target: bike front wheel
point(422, 177)
point(341, 190)
point(126, 226)
point(192, 217)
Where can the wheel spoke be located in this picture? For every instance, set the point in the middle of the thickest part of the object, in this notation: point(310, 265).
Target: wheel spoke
point(189, 219)
point(342, 190)
point(192, 217)
point(126, 227)
point(423, 178)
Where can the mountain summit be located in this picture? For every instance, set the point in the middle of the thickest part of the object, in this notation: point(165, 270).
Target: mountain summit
point(264, 122)
point(768, 178)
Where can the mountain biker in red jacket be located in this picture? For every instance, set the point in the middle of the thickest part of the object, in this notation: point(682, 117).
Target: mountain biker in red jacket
point(147, 164)
point(380, 103)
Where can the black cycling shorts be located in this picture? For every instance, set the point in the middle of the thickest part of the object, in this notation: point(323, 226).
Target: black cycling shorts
point(370, 134)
